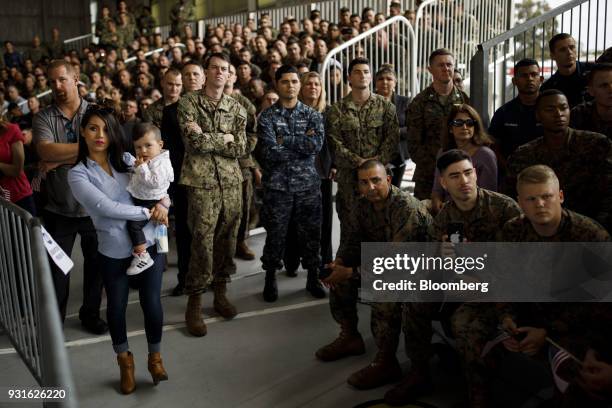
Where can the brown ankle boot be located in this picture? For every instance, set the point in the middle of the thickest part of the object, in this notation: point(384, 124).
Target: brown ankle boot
point(126, 368)
point(156, 368)
point(383, 370)
point(193, 316)
point(244, 252)
point(221, 304)
point(348, 343)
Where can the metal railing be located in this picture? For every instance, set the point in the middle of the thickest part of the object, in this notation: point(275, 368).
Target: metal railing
point(78, 43)
point(150, 53)
point(492, 65)
point(392, 42)
point(459, 25)
point(29, 313)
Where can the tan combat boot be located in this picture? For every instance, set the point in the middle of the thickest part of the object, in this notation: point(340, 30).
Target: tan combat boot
point(415, 384)
point(244, 252)
point(193, 316)
point(126, 369)
point(383, 370)
point(348, 343)
point(221, 304)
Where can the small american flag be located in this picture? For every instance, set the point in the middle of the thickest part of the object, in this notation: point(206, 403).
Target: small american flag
point(503, 335)
point(557, 357)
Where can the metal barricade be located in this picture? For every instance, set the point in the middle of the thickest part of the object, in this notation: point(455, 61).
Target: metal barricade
point(392, 42)
point(492, 65)
point(150, 53)
point(29, 314)
point(78, 43)
point(459, 25)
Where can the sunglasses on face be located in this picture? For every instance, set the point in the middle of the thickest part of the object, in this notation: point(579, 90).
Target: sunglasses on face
point(460, 122)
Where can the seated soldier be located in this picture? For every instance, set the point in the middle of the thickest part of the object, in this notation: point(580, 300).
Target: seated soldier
point(482, 214)
point(384, 213)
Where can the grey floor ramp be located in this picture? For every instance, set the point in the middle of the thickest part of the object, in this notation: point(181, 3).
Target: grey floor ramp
point(262, 359)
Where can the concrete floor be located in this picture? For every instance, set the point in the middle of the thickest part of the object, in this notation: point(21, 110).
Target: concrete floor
point(263, 358)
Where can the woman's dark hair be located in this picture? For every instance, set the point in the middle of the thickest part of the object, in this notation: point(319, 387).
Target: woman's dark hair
point(116, 140)
point(480, 138)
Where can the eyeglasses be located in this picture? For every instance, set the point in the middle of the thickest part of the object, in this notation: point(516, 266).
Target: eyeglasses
point(460, 122)
point(70, 133)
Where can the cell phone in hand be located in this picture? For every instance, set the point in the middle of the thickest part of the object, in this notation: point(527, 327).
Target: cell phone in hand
point(455, 232)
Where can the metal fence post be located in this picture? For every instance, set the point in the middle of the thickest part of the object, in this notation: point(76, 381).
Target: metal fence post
point(479, 83)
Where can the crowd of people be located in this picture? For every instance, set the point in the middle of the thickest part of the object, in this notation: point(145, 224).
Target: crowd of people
point(234, 130)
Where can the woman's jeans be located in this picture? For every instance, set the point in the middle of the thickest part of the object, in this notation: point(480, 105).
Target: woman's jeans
point(117, 289)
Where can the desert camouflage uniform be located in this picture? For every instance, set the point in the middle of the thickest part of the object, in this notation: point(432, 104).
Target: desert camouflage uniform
point(426, 114)
point(212, 175)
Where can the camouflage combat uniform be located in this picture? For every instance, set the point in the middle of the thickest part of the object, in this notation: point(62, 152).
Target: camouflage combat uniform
point(576, 326)
point(585, 117)
point(426, 114)
point(180, 14)
point(214, 181)
point(247, 164)
point(584, 169)
point(155, 112)
point(404, 219)
point(481, 224)
point(290, 141)
point(357, 133)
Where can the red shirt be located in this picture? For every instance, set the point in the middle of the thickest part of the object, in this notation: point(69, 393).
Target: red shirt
point(19, 187)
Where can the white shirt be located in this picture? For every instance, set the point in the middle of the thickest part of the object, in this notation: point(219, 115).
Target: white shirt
point(150, 181)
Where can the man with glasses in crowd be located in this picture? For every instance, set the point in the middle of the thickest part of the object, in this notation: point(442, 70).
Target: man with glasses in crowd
point(56, 132)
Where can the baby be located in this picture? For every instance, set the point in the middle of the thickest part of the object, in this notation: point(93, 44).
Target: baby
point(151, 177)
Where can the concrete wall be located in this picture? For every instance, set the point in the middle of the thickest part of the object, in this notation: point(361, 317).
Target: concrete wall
point(20, 20)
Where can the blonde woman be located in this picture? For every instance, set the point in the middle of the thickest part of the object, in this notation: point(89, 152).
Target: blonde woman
point(313, 95)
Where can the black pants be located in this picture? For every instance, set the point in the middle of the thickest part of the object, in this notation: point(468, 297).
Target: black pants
point(181, 229)
point(135, 227)
point(64, 230)
point(292, 248)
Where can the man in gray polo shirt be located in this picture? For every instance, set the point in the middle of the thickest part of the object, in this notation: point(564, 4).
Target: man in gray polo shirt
point(56, 131)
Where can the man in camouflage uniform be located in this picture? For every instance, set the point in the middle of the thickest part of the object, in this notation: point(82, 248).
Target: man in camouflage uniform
point(181, 13)
point(247, 166)
point(383, 213)
point(425, 116)
point(213, 127)
point(581, 160)
point(577, 327)
point(291, 135)
point(361, 126)
point(596, 115)
point(172, 85)
point(482, 214)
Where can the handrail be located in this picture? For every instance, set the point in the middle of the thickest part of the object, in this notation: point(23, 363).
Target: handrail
point(410, 65)
point(149, 53)
point(490, 85)
point(81, 37)
point(530, 24)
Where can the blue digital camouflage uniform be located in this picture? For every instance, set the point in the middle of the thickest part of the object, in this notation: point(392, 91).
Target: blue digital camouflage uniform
point(289, 143)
